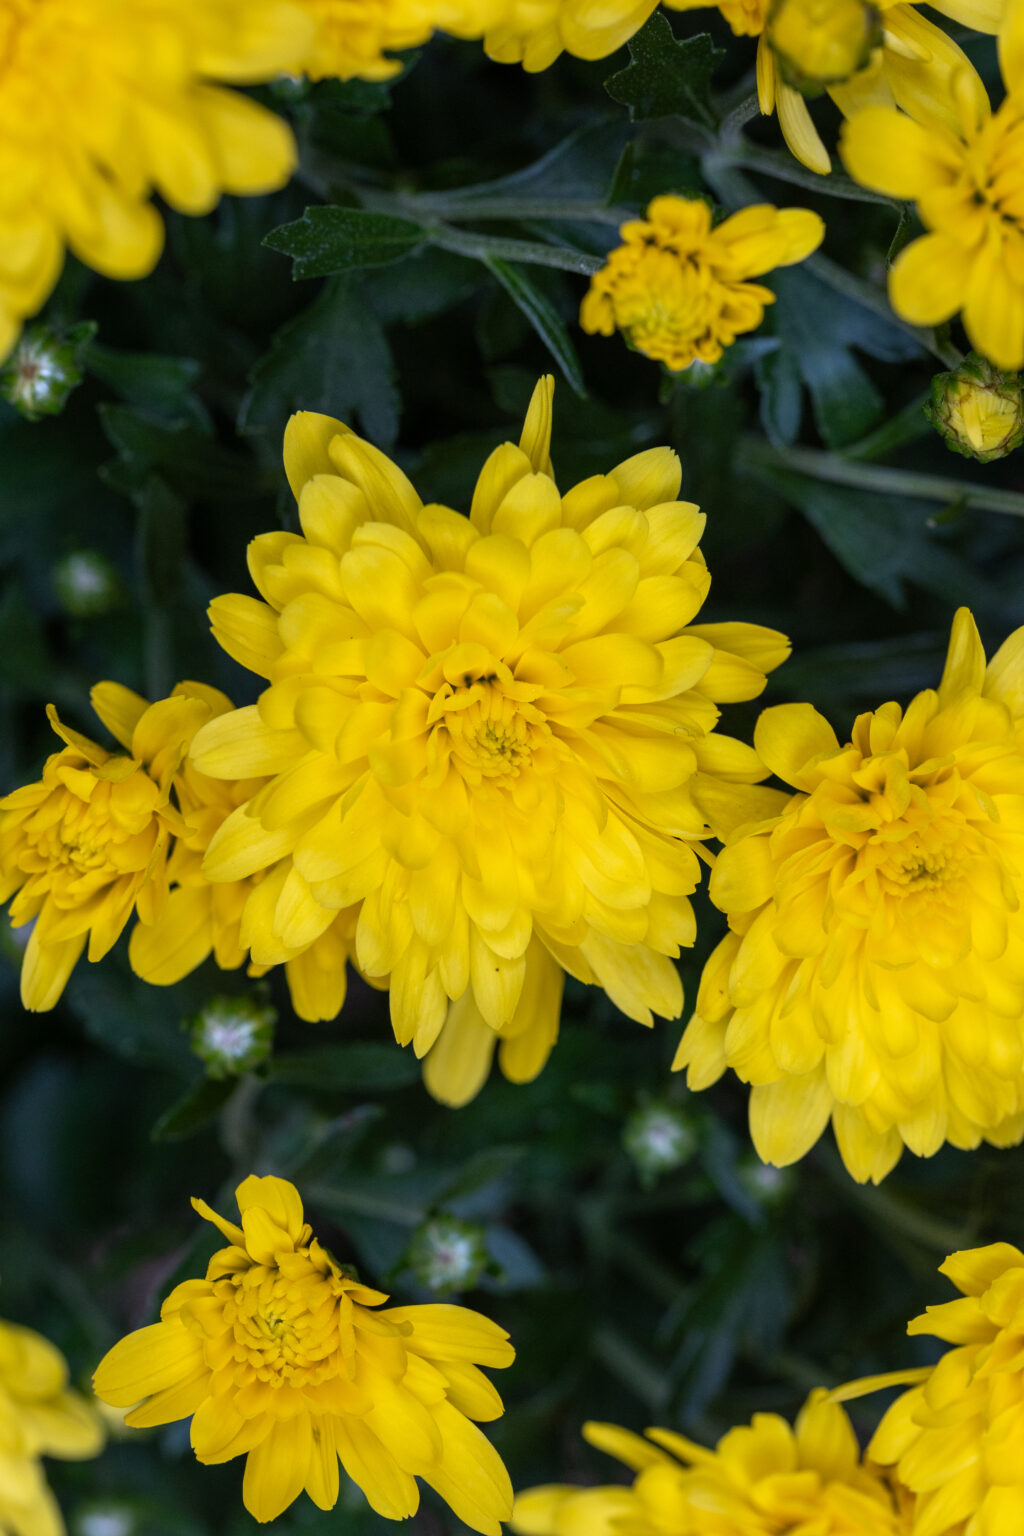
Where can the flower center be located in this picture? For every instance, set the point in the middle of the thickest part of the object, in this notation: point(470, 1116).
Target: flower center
point(490, 736)
point(997, 170)
point(274, 1330)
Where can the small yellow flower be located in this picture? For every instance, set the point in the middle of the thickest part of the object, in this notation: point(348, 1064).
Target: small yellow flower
point(768, 1479)
point(679, 291)
point(39, 1416)
point(955, 1438)
point(87, 844)
point(353, 37)
point(103, 102)
point(967, 180)
point(978, 409)
point(491, 735)
point(822, 42)
point(280, 1356)
point(874, 973)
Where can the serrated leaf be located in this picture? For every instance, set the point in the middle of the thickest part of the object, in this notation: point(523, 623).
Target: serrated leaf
point(667, 76)
point(329, 240)
point(194, 1109)
point(542, 315)
point(357, 1067)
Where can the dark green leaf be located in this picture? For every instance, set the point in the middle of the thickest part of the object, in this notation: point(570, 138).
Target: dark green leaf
point(358, 1067)
point(542, 315)
point(149, 379)
point(194, 1109)
point(579, 169)
point(667, 76)
point(329, 240)
point(482, 1169)
point(781, 396)
point(162, 539)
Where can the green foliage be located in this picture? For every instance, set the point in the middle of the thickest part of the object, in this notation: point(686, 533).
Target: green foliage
point(667, 76)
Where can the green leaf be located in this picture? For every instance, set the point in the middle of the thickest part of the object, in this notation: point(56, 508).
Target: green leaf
point(151, 380)
point(329, 240)
point(542, 315)
point(580, 169)
point(666, 76)
point(194, 1109)
point(781, 396)
point(358, 1067)
point(162, 539)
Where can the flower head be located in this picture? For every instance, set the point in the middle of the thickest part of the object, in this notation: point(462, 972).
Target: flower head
point(978, 410)
point(679, 290)
point(39, 1416)
point(967, 179)
point(874, 973)
point(448, 1254)
point(87, 845)
point(44, 368)
point(534, 32)
point(822, 42)
point(352, 38)
point(488, 737)
point(103, 102)
point(767, 1478)
point(280, 1356)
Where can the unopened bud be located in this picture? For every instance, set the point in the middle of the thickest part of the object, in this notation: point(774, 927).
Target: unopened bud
point(819, 43)
point(233, 1035)
point(659, 1138)
point(447, 1254)
point(44, 368)
point(978, 410)
point(87, 584)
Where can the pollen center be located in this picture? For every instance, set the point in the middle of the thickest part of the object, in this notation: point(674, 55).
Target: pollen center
point(491, 736)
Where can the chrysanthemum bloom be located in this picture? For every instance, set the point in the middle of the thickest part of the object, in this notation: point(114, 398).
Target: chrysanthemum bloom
point(87, 844)
point(103, 102)
point(491, 733)
point(955, 1438)
point(680, 291)
point(875, 969)
point(352, 38)
point(767, 1478)
point(280, 1356)
point(978, 409)
point(968, 183)
point(913, 67)
point(39, 1416)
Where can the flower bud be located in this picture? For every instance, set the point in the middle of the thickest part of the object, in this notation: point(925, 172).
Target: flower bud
point(819, 43)
point(447, 1254)
point(86, 583)
point(767, 1185)
point(978, 410)
point(44, 368)
point(233, 1035)
point(659, 1138)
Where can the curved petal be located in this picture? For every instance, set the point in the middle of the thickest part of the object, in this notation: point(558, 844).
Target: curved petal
point(929, 279)
point(887, 151)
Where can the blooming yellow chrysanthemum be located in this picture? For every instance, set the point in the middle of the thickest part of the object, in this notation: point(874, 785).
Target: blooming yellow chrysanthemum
point(39, 1416)
point(913, 67)
point(353, 37)
point(679, 290)
point(87, 844)
point(956, 1437)
point(280, 1356)
point(103, 102)
point(768, 1479)
point(874, 974)
point(968, 183)
point(492, 733)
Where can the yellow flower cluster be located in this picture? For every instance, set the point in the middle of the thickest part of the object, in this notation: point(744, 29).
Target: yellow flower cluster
point(680, 291)
point(874, 972)
point(280, 1356)
point(39, 1416)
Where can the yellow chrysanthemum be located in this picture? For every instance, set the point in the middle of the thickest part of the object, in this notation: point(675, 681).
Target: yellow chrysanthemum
point(679, 290)
point(534, 32)
point(874, 974)
point(768, 1479)
point(87, 844)
point(492, 733)
point(39, 1416)
point(913, 69)
point(967, 180)
point(353, 37)
point(956, 1437)
point(200, 918)
point(280, 1356)
point(103, 102)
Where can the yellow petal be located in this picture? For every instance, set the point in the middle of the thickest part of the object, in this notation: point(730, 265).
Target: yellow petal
point(887, 151)
point(276, 1470)
point(787, 1117)
point(930, 278)
point(147, 1361)
point(535, 441)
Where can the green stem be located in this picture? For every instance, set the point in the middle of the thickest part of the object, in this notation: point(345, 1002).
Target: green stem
point(733, 124)
point(532, 253)
point(780, 164)
point(431, 205)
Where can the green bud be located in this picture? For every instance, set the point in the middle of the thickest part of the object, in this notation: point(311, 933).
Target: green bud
point(819, 43)
point(978, 410)
point(87, 584)
point(659, 1138)
point(44, 368)
point(447, 1254)
point(768, 1185)
point(232, 1035)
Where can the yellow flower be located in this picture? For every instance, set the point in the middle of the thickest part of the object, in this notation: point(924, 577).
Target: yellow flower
point(955, 1438)
point(491, 733)
point(103, 102)
point(914, 67)
point(768, 1479)
point(280, 1356)
point(978, 409)
point(39, 1416)
point(200, 918)
point(968, 182)
point(534, 32)
point(679, 290)
point(875, 971)
point(88, 843)
point(351, 36)
point(822, 42)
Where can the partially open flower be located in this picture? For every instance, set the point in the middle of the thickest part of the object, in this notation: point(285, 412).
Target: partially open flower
point(819, 43)
point(978, 410)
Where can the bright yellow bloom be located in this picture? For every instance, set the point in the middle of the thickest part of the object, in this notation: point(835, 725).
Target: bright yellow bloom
point(967, 179)
point(768, 1479)
point(913, 68)
point(534, 32)
point(822, 42)
point(679, 290)
point(87, 844)
point(103, 102)
point(39, 1416)
point(280, 1356)
point(491, 733)
point(875, 969)
point(956, 1437)
point(353, 37)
